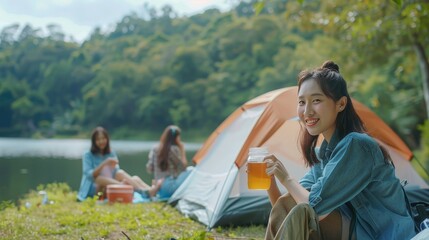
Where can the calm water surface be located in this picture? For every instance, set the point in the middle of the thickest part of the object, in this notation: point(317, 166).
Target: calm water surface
point(28, 163)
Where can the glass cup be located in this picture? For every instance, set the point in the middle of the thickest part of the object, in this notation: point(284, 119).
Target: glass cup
point(257, 178)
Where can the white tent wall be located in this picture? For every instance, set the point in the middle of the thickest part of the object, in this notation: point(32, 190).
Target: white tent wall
point(200, 206)
point(204, 193)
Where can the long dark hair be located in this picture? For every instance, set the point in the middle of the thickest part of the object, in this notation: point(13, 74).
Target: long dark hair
point(334, 86)
point(94, 148)
point(168, 138)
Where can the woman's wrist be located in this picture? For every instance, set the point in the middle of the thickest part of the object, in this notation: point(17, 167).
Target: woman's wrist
point(273, 184)
point(288, 180)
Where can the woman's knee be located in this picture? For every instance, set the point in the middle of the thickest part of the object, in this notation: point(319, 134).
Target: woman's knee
point(120, 174)
point(288, 198)
point(285, 201)
point(136, 178)
point(303, 209)
point(106, 171)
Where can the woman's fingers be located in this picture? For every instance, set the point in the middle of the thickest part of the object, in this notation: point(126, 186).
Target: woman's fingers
point(275, 167)
point(272, 164)
point(112, 162)
point(269, 159)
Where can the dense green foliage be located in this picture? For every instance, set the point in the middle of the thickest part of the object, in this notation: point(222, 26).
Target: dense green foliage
point(155, 69)
point(64, 218)
point(423, 154)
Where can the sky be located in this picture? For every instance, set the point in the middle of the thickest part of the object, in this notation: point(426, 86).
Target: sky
point(78, 18)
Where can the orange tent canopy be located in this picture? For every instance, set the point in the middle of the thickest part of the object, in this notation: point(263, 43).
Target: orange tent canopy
point(280, 114)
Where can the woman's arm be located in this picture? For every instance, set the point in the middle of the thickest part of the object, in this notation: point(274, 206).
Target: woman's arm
point(276, 168)
point(87, 165)
point(273, 192)
point(150, 168)
point(299, 193)
point(111, 162)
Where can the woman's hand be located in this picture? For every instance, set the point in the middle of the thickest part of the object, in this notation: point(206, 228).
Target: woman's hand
point(111, 162)
point(275, 167)
point(105, 168)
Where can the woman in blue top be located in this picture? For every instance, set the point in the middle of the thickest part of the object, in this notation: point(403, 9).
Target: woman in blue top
point(101, 168)
point(350, 175)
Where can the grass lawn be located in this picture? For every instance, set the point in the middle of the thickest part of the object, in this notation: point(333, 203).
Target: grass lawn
point(64, 218)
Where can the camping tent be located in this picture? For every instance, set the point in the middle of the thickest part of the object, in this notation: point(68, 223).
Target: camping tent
point(216, 193)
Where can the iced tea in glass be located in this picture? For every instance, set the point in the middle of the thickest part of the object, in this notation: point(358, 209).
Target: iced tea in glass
point(257, 178)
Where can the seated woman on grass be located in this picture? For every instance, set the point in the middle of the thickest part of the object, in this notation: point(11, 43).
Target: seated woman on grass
point(101, 168)
point(168, 163)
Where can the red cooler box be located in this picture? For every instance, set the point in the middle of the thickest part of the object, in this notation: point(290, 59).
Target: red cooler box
point(120, 193)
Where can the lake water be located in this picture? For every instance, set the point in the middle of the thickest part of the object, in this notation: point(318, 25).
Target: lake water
point(27, 163)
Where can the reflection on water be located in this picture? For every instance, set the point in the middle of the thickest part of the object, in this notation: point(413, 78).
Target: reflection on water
point(28, 163)
point(70, 148)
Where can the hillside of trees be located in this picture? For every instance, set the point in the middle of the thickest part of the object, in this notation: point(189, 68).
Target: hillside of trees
point(156, 69)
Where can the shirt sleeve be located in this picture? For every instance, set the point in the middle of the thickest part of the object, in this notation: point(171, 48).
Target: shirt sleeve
point(114, 155)
point(346, 174)
point(88, 166)
point(308, 180)
point(150, 162)
point(311, 176)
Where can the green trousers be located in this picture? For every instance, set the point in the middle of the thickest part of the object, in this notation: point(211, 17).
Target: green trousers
point(289, 221)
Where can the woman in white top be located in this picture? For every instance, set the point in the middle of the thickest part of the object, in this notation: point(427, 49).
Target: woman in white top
point(167, 161)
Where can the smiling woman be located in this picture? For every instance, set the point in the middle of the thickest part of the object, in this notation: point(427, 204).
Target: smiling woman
point(317, 111)
point(349, 168)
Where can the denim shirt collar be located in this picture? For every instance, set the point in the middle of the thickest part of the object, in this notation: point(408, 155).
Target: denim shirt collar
point(326, 148)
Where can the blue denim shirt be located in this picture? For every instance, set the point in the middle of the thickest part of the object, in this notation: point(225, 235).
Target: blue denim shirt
point(354, 169)
point(91, 161)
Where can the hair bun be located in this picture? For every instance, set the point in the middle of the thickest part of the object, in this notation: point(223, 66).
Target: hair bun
point(331, 66)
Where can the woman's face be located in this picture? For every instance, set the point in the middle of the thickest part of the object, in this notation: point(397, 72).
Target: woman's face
point(101, 141)
point(316, 111)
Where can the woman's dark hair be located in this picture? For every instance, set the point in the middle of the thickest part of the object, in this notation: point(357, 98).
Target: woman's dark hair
point(334, 86)
point(94, 148)
point(168, 138)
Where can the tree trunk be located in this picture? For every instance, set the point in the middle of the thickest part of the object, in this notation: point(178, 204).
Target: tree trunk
point(424, 68)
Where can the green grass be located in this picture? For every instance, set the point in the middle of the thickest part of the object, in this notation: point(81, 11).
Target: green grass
point(64, 218)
